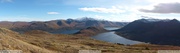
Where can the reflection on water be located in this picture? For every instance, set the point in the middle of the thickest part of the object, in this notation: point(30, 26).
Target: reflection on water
point(111, 28)
point(114, 38)
point(77, 30)
point(69, 31)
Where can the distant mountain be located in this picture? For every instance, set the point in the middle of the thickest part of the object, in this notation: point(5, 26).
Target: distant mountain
point(89, 22)
point(59, 25)
point(165, 32)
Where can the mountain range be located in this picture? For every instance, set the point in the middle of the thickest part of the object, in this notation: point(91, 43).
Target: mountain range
point(59, 25)
point(155, 31)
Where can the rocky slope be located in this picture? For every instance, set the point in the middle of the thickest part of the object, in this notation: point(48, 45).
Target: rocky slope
point(165, 32)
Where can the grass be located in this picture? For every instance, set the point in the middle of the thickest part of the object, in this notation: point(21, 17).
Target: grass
point(11, 43)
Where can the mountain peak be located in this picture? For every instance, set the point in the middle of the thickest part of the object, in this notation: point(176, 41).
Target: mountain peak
point(174, 20)
point(86, 19)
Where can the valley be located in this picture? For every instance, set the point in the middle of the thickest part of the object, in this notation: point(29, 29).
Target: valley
point(71, 41)
point(89, 26)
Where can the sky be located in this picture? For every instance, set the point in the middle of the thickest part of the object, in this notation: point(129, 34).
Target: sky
point(112, 10)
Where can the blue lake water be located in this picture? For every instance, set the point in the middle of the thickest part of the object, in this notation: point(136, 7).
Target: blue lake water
point(107, 36)
point(111, 28)
point(69, 31)
point(114, 38)
point(76, 30)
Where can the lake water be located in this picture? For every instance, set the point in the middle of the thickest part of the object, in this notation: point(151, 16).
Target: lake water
point(69, 31)
point(107, 36)
point(111, 28)
point(114, 38)
point(76, 30)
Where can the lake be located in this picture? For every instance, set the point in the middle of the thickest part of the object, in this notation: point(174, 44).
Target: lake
point(111, 28)
point(107, 36)
point(77, 30)
point(69, 31)
point(114, 38)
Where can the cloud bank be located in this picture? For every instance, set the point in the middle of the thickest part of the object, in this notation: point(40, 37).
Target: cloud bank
point(164, 8)
point(102, 10)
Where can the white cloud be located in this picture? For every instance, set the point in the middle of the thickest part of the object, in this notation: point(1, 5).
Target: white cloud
point(103, 10)
point(164, 8)
point(117, 17)
point(3, 1)
point(52, 13)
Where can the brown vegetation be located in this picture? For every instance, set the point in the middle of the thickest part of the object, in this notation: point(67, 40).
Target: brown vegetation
point(8, 41)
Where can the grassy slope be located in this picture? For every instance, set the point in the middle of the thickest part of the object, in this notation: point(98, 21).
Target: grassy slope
point(8, 42)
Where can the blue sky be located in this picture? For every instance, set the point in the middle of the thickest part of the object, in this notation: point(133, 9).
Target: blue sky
point(113, 10)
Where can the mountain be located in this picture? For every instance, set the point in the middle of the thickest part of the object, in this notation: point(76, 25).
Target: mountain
point(91, 31)
point(89, 22)
point(165, 32)
point(59, 25)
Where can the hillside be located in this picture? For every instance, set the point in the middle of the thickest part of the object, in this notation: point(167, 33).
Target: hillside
point(164, 32)
point(90, 31)
point(9, 42)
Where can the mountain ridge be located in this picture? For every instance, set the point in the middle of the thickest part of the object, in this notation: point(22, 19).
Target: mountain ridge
point(159, 32)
